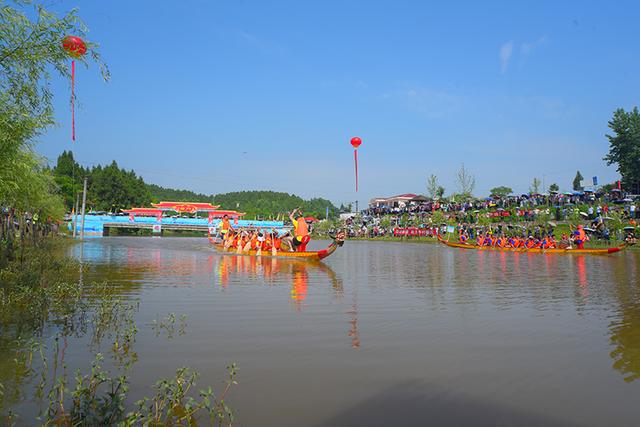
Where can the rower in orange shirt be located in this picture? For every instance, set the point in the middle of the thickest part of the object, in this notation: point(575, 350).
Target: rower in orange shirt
point(225, 226)
point(300, 231)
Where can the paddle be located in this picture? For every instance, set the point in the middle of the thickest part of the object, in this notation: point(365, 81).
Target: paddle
point(274, 251)
point(259, 251)
point(239, 250)
point(247, 246)
point(227, 240)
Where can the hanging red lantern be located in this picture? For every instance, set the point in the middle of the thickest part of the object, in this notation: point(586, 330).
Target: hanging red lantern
point(76, 48)
point(355, 143)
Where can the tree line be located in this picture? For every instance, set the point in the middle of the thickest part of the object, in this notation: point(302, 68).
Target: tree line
point(111, 189)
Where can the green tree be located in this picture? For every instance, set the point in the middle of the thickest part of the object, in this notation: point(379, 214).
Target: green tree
point(535, 186)
point(466, 182)
point(608, 187)
point(501, 191)
point(440, 192)
point(273, 203)
point(112, 189)
point(432, 186)
point(68, 175)
point(624, 147)
point(577, 181)
point(30, 53)
point(159, 194)
point(554, 187)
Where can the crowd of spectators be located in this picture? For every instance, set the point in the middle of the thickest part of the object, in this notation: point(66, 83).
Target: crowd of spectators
point(523, 202)
point(524, 209)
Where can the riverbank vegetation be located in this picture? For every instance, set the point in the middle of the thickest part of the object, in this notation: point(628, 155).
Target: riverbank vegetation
point(45, 308)
point(44, 304)
point(30, 56)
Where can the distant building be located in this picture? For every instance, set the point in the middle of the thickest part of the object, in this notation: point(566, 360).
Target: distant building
point(399, 201)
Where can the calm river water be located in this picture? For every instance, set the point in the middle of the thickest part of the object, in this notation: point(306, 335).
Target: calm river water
point(389, 333)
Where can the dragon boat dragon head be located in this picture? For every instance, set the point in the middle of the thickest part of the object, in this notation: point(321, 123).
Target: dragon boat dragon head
point(339, 237)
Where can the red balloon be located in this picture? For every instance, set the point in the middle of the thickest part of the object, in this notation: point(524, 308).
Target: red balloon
point(355, 142)
point(74, 46)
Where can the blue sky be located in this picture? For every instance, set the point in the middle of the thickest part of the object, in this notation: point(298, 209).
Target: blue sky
point(218, 96)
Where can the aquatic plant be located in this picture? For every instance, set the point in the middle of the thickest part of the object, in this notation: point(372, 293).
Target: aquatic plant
point(41, 307)
point(168, 324)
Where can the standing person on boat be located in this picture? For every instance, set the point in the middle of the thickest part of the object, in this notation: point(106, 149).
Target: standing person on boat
point(580, 237)
point(300, 231)
point(225, 226)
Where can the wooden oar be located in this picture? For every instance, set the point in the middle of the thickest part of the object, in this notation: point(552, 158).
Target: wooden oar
point(239, 249)
point(259, 251)
point(227, 241)
point(274, 251)
point(247, 246)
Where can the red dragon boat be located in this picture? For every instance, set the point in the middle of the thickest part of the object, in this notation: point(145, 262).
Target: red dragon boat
point(338, 240)
point(603, 251)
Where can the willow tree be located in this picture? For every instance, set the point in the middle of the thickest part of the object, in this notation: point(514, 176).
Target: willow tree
point(30, 57)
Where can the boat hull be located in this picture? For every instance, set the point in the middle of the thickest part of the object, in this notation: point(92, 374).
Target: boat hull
point(604, 251)
point(307, 255)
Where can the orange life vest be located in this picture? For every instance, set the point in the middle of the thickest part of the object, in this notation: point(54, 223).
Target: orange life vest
point(301, 228)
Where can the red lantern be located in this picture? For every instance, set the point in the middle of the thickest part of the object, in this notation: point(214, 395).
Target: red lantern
point(76, 48)
point(355, 143)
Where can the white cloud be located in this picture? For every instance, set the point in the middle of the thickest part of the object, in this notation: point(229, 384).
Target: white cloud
point(506, 50)
point(526, 48)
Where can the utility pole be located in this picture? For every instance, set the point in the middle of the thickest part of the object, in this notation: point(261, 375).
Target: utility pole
point(75, 215)
point(84, 202)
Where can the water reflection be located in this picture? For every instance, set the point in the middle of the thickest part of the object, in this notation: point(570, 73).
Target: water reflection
point(625, 331)
point(237, 269)
point(419, 311)
point(447, 279)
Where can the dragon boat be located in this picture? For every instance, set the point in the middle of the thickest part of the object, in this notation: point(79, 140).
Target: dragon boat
point(338, 240)
point(603, 251)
